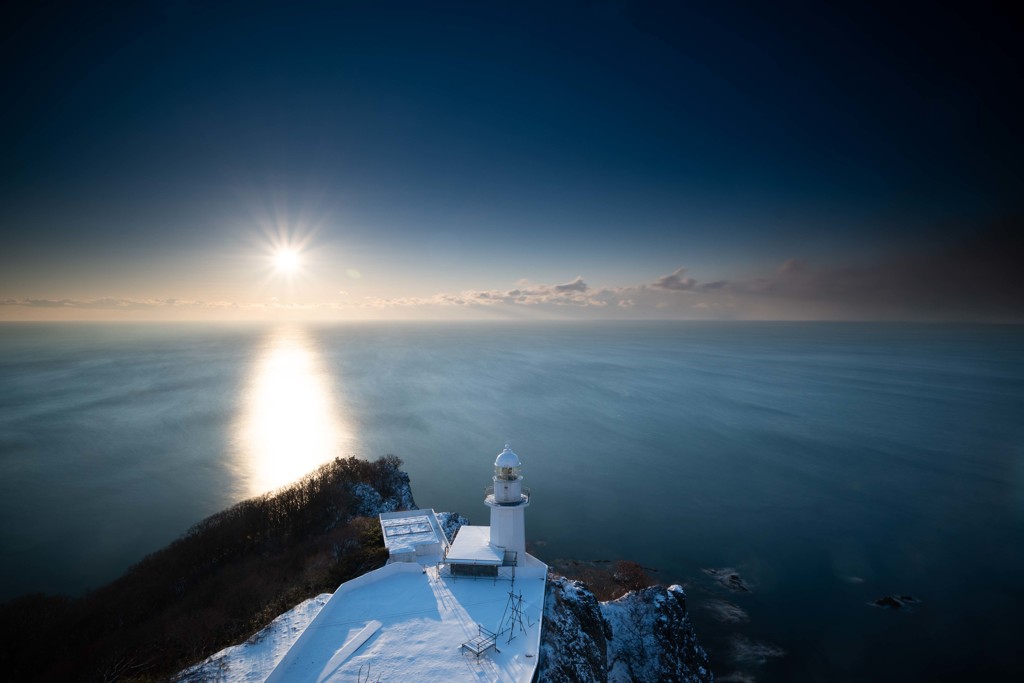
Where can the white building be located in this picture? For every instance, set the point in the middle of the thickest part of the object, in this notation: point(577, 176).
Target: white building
point(413, 536)
point(497, 550)
point(434, 613)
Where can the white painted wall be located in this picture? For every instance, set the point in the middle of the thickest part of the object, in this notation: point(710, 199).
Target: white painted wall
point(508, 528)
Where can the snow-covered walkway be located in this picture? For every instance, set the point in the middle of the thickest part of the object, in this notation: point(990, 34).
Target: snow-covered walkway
point(423, 621)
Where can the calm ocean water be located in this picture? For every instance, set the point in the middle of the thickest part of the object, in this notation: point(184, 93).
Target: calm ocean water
point(829, 464)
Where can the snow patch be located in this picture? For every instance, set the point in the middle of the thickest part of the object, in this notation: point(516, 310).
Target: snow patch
point(643, 636)
point(253, 660)
point(451, 522)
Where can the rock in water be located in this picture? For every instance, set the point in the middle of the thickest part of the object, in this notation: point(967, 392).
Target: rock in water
point(645, 635)
point(896, 602)
point(728, 578)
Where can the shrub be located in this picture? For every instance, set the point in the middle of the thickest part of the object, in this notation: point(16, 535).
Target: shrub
point(220, 582)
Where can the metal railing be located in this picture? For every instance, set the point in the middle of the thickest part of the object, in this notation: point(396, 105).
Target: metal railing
point(484, 640)
point(502, 572)
point(523, 498)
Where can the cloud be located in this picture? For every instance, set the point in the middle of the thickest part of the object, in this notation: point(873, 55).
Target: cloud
point(979, 279)
point(677, 281)
point(115, 304)
point(111, 303)
point(652, 300)
point(571, 294)
point(38, 303)
point(577, 285)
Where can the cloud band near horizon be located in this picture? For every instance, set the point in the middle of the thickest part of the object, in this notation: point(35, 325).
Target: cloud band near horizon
point(975, 281)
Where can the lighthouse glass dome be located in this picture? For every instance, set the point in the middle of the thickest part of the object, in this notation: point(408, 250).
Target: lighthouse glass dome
point(507, 465)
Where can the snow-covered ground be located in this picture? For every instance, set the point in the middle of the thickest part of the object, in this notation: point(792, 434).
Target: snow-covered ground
point(405, 623)
point(413, 623)
point(418, 622)
point(253, 660)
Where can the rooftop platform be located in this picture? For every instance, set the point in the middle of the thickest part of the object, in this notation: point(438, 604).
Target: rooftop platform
point(405, 623)
point(413, 536)
point(472, 545)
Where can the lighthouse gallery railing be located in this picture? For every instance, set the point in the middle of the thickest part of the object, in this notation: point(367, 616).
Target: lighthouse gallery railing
point(489, 492)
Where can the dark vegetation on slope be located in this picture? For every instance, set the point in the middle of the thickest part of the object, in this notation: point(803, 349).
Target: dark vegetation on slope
point(607, 580)
point(225, 579)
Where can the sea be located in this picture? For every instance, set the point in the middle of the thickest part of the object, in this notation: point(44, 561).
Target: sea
point(823, 466)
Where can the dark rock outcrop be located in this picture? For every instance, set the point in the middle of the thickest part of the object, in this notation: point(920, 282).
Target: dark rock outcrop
point(451, 522)
point(728, 578)
point(391, 491)
point(574, 640)
point(896, 602)
point(645, 635)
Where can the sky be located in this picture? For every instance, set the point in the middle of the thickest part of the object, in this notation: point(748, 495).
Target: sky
point(488, 160)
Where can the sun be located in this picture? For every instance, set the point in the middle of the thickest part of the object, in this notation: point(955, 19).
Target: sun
point(286, 260)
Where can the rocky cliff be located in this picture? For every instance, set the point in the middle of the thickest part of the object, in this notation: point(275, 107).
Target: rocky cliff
point(645, 635)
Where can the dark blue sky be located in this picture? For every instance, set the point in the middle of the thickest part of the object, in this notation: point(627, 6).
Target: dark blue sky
point(440, 148)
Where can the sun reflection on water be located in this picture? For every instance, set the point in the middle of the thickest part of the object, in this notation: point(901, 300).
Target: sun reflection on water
point(289, 422)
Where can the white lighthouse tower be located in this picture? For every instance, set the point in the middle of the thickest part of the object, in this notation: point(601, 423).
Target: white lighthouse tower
point(508, 499)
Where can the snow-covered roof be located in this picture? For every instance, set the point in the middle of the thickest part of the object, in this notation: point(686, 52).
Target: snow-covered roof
point(405, 623)
point(507, 458)
point(405, 530)
point(472, 545)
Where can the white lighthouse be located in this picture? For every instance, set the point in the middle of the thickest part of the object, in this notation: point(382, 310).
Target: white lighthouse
point(498, 550)
point(508, 499)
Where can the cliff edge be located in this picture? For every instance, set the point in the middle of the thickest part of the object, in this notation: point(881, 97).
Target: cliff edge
point(645, 635)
